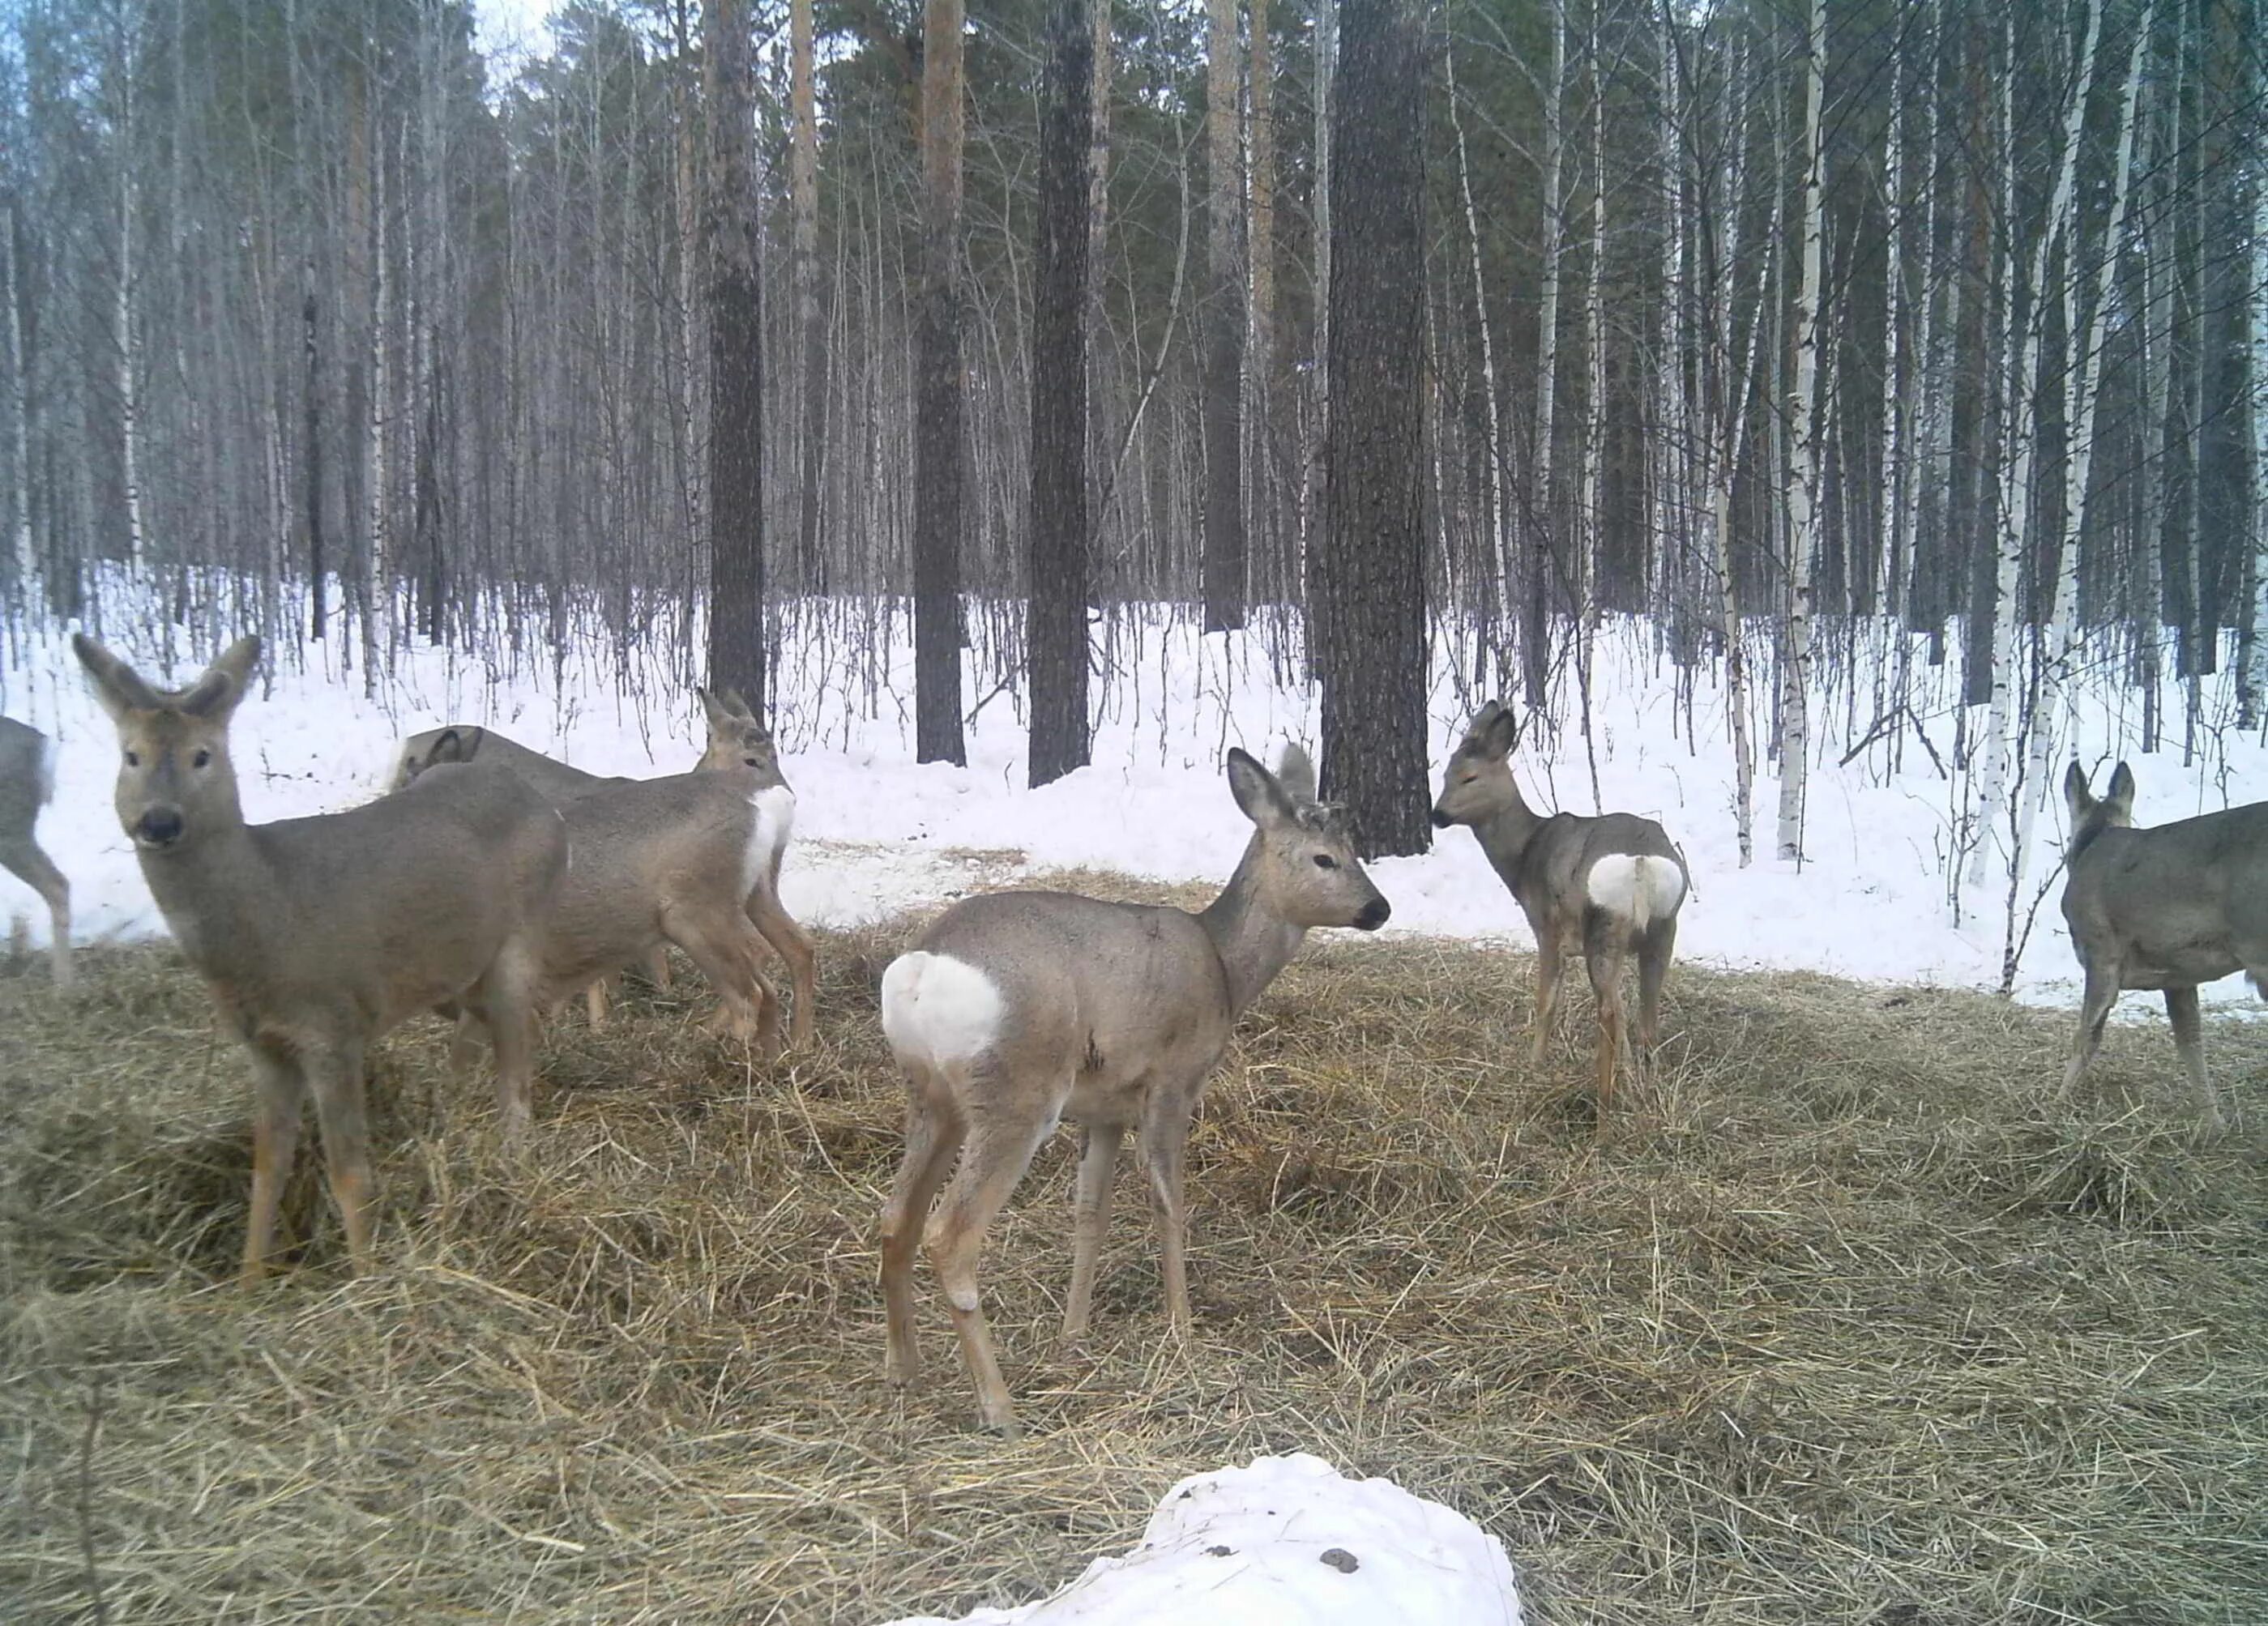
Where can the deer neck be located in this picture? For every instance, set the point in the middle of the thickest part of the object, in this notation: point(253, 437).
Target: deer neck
point(1253, 941)
point(1505, 834)
point(215, 896)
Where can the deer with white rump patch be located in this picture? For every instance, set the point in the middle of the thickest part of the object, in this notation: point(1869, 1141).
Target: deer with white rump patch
point(317, 935)
point(1018, 1009)
point(2166, 908)
point(28, 784)
point(1611, 885)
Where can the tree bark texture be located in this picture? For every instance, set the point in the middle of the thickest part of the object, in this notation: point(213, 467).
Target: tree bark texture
point(736, 420)
point(939, 475)
point(1224, 331)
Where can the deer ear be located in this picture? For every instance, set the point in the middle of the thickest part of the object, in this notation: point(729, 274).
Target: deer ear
point(1495, 730)
point(217, 694)
point(1256, 791)
point(2077, 800)
point(1295, 771)
point(448, 747)
point(116, 686)
point(2119, 799)
point(739, 706)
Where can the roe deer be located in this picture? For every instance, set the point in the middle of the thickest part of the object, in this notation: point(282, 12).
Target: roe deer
point(317, 935)
point(1612, 883)
point(738, 740)
point(1018, 1009)
point(560, 783)
point(2166, 908)
point(28, 784)
point(666, 860)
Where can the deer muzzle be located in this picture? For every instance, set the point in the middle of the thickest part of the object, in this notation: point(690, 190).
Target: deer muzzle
point(159, 828)
point(1373, 915)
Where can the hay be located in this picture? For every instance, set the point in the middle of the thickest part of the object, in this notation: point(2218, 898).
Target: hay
point(1840, 1321)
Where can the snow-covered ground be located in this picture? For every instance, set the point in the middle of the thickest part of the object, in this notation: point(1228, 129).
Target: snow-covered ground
point(876, 832)
point(1287, 1541)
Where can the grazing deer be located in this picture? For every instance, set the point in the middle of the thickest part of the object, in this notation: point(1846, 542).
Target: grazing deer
point(2166, 908)
point(1612, 883)
point(738, 740)
point(28, 784)
point(317, 935)
point(560, 783)
point(667, 860)
point(1018, 1009)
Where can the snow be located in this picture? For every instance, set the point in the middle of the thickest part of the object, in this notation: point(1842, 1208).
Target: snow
point(1287, 1541)
point(876, 833)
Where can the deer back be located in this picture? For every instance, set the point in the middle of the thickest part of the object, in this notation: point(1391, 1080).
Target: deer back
point(27, 777)
point(468, 742)
point(2173, 905)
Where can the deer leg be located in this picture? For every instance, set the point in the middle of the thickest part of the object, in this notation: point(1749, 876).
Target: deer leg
point(1604, 960)
point(1549, 964)
point(466, 1043)
point(2094, 1013)
point(935, 1128)
point(657, 967)
point(334, 1078)
point(727, 956)
point(594, 1002)
point(32, 866)
point(1165, 1138)
point(1098, 1165)
point(278, 1097)
point(1653, 970)
point(508, 1002)
point(998, 1152)
point(2189, 1038)
point(792, 944)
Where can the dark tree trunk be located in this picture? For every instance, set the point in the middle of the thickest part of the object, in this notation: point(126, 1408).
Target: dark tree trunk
point(736, 364)
point(1373, 570)
point(1056, 641)
point(939, 477)
point(1224, 337)
point(316, 564)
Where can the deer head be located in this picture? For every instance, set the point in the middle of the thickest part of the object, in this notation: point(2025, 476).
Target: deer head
point(1303, 866)
point(175, 781)
point(1478, 783)
point(736, 737)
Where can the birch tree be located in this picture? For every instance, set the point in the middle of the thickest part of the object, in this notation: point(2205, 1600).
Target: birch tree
point(1804, 431)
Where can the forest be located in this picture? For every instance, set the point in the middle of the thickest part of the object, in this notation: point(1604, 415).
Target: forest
point(1833, 341)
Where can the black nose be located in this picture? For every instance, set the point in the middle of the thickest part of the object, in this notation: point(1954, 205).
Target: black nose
point(1440, 820)
point(161, 827)
point(1373, 915)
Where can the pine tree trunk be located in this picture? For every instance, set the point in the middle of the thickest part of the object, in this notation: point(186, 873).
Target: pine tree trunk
point(11, 288)
point(803, 187)
point(1372, 569)
point(736, 422)
point(1543, 553)
point(939, 475)
point(1056, 638)
point(1225, 319)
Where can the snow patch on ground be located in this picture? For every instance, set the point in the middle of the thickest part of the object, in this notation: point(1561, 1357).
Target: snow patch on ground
point(1287, 1541)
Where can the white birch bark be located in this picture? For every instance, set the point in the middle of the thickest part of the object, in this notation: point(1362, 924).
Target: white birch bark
point(27, 559)
point(1735, 386)
point(1594, 411)
point(125, 335)
point(1547, 357)
point(2021, 423)
point(1803, 482)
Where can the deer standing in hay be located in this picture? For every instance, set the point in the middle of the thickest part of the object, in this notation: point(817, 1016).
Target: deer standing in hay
point(28, 784)
point(1611, 885)
point(317, 935)
point(1018, 1009)
point(659, 861)
point(2166, 908)
point(559, 782)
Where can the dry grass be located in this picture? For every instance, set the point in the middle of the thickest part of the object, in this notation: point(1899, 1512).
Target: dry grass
point(1840, 1323)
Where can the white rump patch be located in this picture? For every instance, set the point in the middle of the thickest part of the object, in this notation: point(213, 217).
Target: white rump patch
point(774, 822)
point(1639, 890)
point(48, 749)
point(937, 1009)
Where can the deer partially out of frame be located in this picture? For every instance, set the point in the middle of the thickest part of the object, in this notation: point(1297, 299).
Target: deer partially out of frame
point(28, 784)
point(1018, 1009)
point(738, 740)
point(468, 742)
point(1611, 885)
point(317, 935)
point(2166, 908)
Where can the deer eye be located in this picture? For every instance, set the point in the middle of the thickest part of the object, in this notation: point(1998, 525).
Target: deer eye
point(1324, 861)
point(202, 759)
point(133, 759)
point(752, 762)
